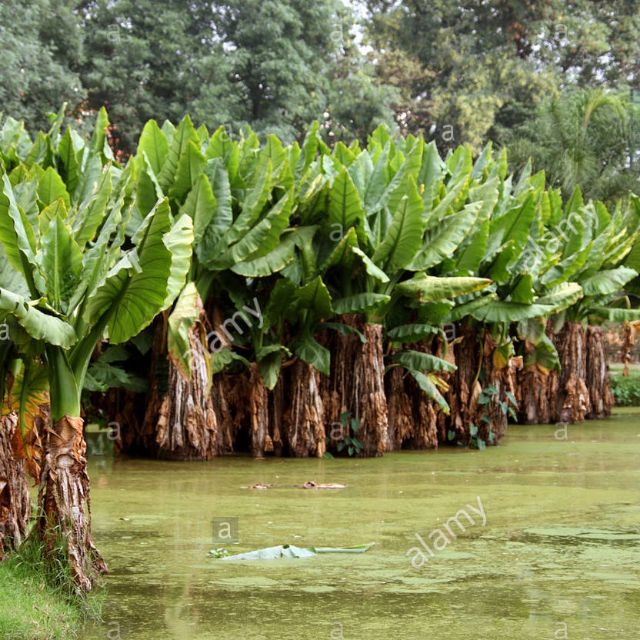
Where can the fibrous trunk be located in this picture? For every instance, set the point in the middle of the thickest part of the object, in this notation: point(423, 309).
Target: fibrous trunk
point(180, 412)
point(261, 441)
point(492, 417)
point(413, 417)
point(304, 427)
point(597, 380)
point(537, 389)
point(356, 384)
point(573, 402)
point(15, 506)
point(64, 522)
point(472, 403)
point(464, 388)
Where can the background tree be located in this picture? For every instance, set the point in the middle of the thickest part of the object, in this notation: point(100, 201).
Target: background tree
point(152, 59)
point(482, 67)
point(41, 43)
point(586, 138)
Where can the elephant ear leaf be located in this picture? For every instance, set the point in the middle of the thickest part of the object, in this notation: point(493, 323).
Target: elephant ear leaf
point(345, 205)
point(16, 234)
point(154, 143)
point(200, 206)
point(404, 236)
point(51, 188)
point(314, 298)
point(138, 287)
point(179, 241)
point(313, 353)
point(434, 289)
point(607, 281)
point(39, 325)
point(428, 386)
point(442, 242)
point(61, 263)
point(177, 163)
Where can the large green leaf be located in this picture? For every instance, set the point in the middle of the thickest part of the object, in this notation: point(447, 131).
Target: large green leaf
point(190, 167)
point(177, 158)
point(254, 203)
point(371, 268)
point(313, 353)
point(51, 187)
point(269, 364)
point(404, 235)
point(179, 241)
point(507, 312)
point(153, 142)
point(39, 325)
point(562, 296)
point(614, 314)
point(425, 383)
point(422, 361)
point(345, 206)
point(61, 263)
point(16, 234)
point(135, 289)
point(184, 315)
point(270, 263)
point(443, 241)
point(91, 213)
point(413, 332)
point(265, 236)
point(69, 159)
point(314, 297)
point(360, 303)
point(433, 289)
point(200, 206)
point(608, 281)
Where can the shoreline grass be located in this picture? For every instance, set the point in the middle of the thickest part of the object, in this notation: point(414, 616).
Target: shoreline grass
point(36, 604)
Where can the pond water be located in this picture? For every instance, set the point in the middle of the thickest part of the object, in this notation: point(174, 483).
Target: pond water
point(558, 555)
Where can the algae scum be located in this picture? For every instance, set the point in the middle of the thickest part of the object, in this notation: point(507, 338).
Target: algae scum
point(559, 556)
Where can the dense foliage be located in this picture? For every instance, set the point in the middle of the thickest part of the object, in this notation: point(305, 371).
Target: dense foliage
point(294, 288)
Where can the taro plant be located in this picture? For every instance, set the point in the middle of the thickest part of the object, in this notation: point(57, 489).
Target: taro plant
point(79, 280)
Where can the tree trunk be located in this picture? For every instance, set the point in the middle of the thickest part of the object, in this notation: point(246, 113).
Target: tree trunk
point(477, 373)
point(597, 380)
point(304, 427)
point(464, 388)
point(492, 418)
point(15, 504)
point(537, 390)
point(356, 384)
point(64, 522)
point(277, 408)
point(413, 417)
point(536, 394)
point(261, 441)
point(573, 403)
point(180, 416)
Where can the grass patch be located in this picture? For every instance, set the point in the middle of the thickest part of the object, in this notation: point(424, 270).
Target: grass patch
point(626, 390)
point(36, 604)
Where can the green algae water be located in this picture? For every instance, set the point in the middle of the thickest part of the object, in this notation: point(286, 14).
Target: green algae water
point(558, 555)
